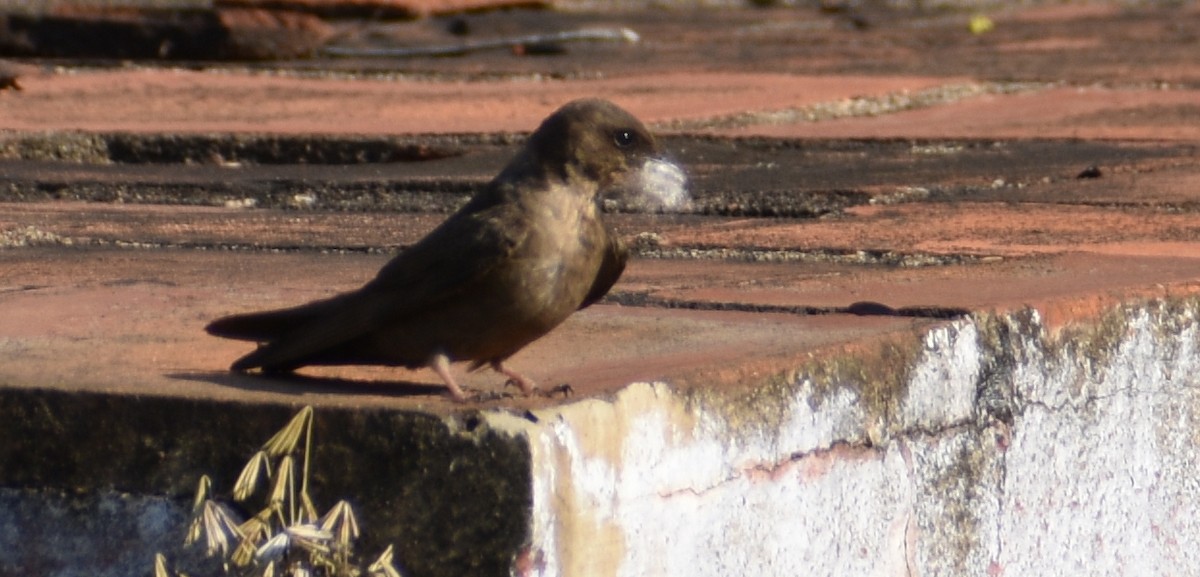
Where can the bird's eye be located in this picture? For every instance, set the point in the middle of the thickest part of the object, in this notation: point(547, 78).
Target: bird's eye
point(624, 138)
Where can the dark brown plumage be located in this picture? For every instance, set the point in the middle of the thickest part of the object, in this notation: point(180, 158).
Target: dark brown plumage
point(508, 267)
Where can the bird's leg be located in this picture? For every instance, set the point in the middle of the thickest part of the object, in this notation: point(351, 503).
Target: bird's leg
point(441, 365)
point(527, 385)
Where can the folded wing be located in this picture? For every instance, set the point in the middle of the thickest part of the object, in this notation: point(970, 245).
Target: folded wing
point(460, 252)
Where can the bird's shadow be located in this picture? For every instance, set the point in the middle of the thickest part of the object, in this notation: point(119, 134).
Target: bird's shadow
point(296, 384)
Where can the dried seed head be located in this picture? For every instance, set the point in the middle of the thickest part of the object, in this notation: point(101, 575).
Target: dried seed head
point(383, 566)
point(283, 481)
point(219, 526)
point(259, 464)
point(202, 490)
point(340, 521)
point(285, 440)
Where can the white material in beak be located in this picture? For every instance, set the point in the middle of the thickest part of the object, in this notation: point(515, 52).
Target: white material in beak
point(663, 185)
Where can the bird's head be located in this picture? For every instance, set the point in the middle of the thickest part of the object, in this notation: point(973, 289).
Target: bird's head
point(596, 140)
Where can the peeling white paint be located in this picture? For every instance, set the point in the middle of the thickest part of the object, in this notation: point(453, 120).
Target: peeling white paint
point(1096, 475)
point(1104, 481)
point(941, 388)
point(698, 508)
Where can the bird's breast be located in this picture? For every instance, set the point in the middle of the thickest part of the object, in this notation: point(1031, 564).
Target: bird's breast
point(563, 250)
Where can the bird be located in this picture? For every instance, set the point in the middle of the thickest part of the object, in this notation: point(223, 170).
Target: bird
point(523, 254)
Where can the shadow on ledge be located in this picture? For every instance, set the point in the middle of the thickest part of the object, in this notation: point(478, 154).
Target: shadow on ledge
point(295, 384)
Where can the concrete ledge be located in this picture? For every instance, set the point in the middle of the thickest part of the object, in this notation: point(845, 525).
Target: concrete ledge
point(992, 444)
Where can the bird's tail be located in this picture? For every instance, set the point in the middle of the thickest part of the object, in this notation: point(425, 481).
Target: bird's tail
point(265, 327)
point(289, 338)
point(260, 358)
point(259, 327)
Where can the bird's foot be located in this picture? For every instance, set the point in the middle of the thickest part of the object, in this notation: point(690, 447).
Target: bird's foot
point(527, 386)
point(565, 389)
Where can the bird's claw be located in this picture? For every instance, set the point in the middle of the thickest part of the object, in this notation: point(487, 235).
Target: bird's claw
point(565, 389)
point(526, 387)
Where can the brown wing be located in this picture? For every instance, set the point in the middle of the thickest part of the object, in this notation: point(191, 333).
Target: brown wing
point(459, 252)
point(615, 255)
